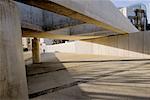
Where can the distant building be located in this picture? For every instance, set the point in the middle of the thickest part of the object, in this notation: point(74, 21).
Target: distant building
point(138, 15)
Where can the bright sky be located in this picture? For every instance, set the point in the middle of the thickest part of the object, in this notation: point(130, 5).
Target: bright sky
point(124, 3)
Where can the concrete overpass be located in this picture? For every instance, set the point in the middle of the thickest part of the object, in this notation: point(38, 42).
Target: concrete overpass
point(90, 14)
point(54, 21)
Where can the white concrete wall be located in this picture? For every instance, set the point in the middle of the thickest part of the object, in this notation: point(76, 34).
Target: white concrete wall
point(64, 47)
point(129, 45)
point(27, 55)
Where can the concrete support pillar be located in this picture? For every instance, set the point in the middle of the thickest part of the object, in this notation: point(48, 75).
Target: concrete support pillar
point(36, 50)
point(13, 83)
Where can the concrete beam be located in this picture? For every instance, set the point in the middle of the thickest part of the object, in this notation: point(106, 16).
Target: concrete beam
point(36, 50)
point(29, 26)
point(82, 29)
point(38, 19)
point(13, 83)
point(85, 29)
point(99, 12)
point(98, 33)
point(78, 29)
point(55, 36)
point(53, 21)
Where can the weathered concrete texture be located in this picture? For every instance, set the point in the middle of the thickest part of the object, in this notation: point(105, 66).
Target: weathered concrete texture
point(55, 36)
point(53, 21)
point(99, 12)
point(82, 29)
point(39, 19)
point(136, 42)
point(13, 84)
point(146, 43)
point(102, 11)
point(64, 76)
point(36, 50)
point(31, 17)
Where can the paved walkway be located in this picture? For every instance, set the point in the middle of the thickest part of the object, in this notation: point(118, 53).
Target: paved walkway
point(63, 76)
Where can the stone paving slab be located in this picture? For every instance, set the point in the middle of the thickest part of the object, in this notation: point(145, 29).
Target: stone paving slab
point(89, 77)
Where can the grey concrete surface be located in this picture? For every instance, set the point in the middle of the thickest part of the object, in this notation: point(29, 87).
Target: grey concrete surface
point(42, 20)
point(101, 13)
point(13, 83)
point(64, 76)
point(100, 10)
point(82, 29)
point(127, 45)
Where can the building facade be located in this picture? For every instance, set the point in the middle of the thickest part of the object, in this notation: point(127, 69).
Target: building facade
point(138, 15)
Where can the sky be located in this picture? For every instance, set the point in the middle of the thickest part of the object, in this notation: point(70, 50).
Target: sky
point(124, 3)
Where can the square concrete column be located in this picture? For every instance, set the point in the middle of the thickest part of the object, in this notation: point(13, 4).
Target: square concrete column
point(13, 83)
point(36, 50)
